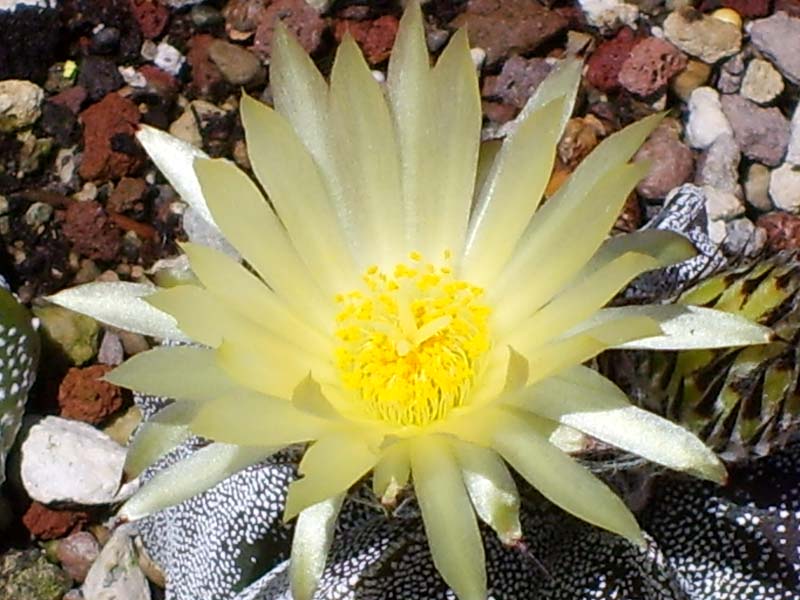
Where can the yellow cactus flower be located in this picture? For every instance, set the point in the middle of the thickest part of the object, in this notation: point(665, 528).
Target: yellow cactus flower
point(401, 319)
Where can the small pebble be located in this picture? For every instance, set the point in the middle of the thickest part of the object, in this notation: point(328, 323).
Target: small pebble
point(38, 213)
point(762, 83)
point(205, 16)
point(608, 15)
point(705, 37)
point(778, 38)
point(783, 230)
point(728, 15)
point(722, 206)
point(756, 187)
point(762, 133)
point(706, 121)
point(793, 150)
point(20, 104)
point(731, 75)
point(76, 554)
point(744, 238)
point(784, 188)
point(238, 65)
point(695, 75)
point(116, 572)
point(718, 166)
point(69, 461)
point(672, 161)
point(650, 65)
point(168, 58)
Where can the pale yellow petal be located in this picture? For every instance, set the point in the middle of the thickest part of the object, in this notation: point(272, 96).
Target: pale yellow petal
point(367, 157)
point(560, 240)
point(308, 397)
point(603, 411)
point(555, 356)
point(688, 327)
point(252, 419)
point(450, 522)
point(164, 431)
point(454, 145)
point(252, 227)
point(329, 467)
point(290, 177)
point(491, 489)
point(238, 288)
point(193, 307)
point(193, 475)
point(523, 442)
point(511, 193)
point(157, 372)
point(667, 247)
point(313, 535)
point(392, 472)
point(580, 301)
point(413, 108)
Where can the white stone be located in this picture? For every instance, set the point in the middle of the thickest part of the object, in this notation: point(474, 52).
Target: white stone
point(793, 151)
point(168, 58)
point(743, 238)
point(607, 15)
point(762, 82)
point(20, 104)
point(784, 188)
point(721, 205)
point(13, 4)
point(69, 461)
point(115, 574)
point(706, 121)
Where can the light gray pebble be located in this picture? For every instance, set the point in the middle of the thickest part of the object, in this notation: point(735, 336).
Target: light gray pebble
point(731, 74)
point(718, 166)
point(38, 213)
point(700, 35)
point(20, 104)
point(784, 188)
point(762, 133)
point(744, 238)
point(706, 120)
point(778, 38)
point(793, 150)
point(762, 83)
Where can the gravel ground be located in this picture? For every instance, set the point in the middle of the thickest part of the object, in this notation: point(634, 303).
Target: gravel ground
point(79, 200)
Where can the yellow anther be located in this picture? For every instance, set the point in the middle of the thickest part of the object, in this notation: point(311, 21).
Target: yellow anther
point(411, 346)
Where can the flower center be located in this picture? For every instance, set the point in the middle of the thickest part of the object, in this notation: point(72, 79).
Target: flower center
point(410, 344)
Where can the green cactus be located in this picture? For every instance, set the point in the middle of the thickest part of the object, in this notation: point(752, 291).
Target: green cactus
point(19, 355)
point(743, 402)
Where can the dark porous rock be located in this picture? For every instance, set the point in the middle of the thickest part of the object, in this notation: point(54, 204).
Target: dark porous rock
point(28, 42)
point(207, 79)
point(72, 97)
point(151, 15)
point(110, 150)
point(762, 133)
point(650, 65)
point(778, 37)
point(105, 40)
point(374, 36)
point(605, 63)
point(127, 195)
point(298, 17)
point(84, 396)
point(46, 523)
point(508, 27)
point(61, 123)
point(783, 230)
point(517, 80)
point(99, 77)
point(90, 229)
point(672, 162)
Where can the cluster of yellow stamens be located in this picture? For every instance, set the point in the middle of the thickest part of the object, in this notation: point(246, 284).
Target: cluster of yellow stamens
point(411, 341)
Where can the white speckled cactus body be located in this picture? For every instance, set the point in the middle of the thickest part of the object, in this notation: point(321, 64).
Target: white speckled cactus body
point(19, 354)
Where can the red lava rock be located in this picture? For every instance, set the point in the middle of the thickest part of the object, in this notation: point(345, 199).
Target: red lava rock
point(108, 127)
point(672, 162)
point(605, 63)
point(517, 80)
point(160, 82)
point(498, 112)
point(302, 20)
point(207, 79)
point(375, 37)
point(91, 231)
point(128, 192)
point(508, 26)
point(650, 65)
point(73, 98)
point(48, 524)
point(76, 554)
point(151, 15)
point(242, 16)
point(783, 230)
point(84, 396)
